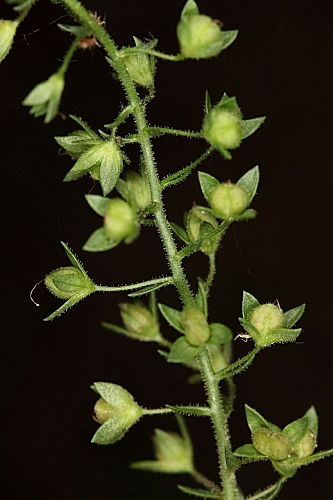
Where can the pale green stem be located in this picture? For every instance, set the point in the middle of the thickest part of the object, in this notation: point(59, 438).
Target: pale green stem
point(158, 411)
point(68, 57)
point(173, 131)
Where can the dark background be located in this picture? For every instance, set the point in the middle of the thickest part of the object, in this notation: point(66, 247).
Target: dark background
point(280, 66)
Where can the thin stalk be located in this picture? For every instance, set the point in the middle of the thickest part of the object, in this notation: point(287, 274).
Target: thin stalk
point(68, 57)
point(174, 131)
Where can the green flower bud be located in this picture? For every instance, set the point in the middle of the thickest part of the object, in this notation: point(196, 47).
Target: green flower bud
point(141, 67)
point(135, 188)
point(196, 328)
point(194, 221)
point(228, 200)
point(139, 322)
point(271, 444)
point(173, 452)
point(7, 33)
point(199, 36)
point(116, 410)
point(44, 99)
point(119, 220)
point(222, 129)
point(306, 446)
point(266, 318)
point(68, 282)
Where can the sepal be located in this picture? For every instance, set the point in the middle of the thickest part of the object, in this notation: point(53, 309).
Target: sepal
point(267, 324)
point(44, 99)
point(116, 411)
point(7, 33)
point(71, 284)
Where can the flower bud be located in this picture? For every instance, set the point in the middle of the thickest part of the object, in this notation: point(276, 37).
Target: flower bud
point(222, 129)
point(141, 67)
point(267, 318)
point(68, 282)
point(137, 189)
point(173, 452)
point(119, 220)
point(116, 411)
point(7, 33)
point(271, 444)
point(228, 200)
point(139, 322)
point(199, 36)
point(44, 99)
point(194, 221)
point(306, 446)
point(196, 328)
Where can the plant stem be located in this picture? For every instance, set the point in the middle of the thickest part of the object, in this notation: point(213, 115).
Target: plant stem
point(211, 382)
point(68, 57)
point(219, 420)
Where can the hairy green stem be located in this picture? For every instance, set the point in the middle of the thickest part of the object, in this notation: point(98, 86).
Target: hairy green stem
point(218, 415)
point(220, 423)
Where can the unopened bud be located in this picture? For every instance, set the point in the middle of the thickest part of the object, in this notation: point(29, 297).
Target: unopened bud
point(195, 326)
point(228, 200)
point(119, 220)
point(271, 444)
point(222, 129)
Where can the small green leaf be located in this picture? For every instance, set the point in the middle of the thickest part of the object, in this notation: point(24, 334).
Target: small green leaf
point(181, 351)
point(75, 30)
point(250, 181)
point(85, 127)
point(151, 288)
point(207, 183)
point(251, 125)
point(208, 102)
point(197, 411)
point(190, 9)
point(296, 430)
point(198, 493)
point(220, 334)
point(172, 316)
point(201, 298)
point(312, 415)
point(99, 242)
point(97, 203)
point(109, 173)
point(66, 305)
point(73, 259)
point(180, 232)
point(287, 468)
point(293, 315)
point(87, 161)
point(249, 451)
point(228, 38)
point(248, 304)
point(256, 421)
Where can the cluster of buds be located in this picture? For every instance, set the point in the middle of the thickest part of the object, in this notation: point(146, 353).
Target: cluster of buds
point(286, 448)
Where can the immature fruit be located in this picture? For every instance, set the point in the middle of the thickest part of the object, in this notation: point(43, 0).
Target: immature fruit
point(267, 318)
point(195, 326)
point(272, 444)
point(228, 200)
point(222, 129)
point(119, 220)
point(199, 37)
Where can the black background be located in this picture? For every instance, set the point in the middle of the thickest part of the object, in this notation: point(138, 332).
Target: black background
point(280, 66)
